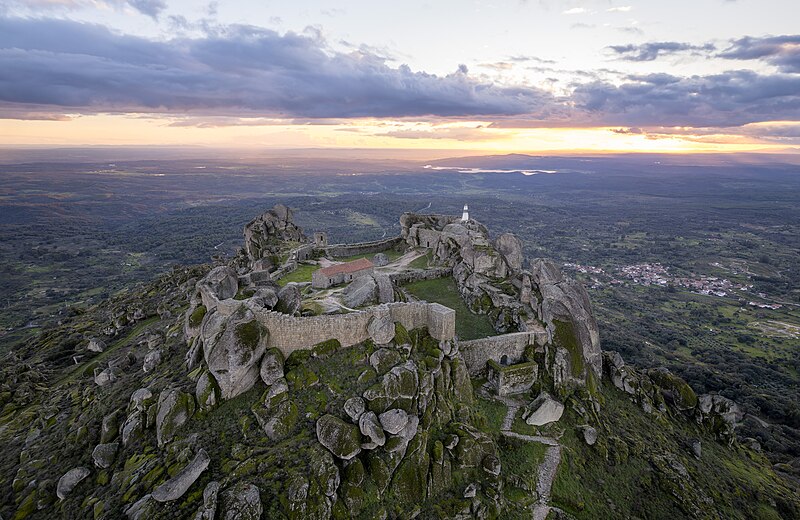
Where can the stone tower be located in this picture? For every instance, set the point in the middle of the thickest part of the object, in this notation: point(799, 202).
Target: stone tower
point(320, 239)
point(465, 215)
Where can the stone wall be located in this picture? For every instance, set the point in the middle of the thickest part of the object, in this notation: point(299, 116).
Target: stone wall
point(319, 280)
point(360, 248)
point(303, 252)
point(512, 379)
point(477, 352)
point(428, 238)
point(289, 333)
point(415, 276)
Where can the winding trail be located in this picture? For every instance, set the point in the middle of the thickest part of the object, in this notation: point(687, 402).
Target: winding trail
point(547, 474)
point(549, 466)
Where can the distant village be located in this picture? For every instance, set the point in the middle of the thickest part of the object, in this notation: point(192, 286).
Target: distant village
point(657, 274)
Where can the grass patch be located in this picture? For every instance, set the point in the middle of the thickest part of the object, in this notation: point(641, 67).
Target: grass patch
point(299, 275)
point(493, 411)
point(197, 316)
point(421, 262)
point(444, 291)
point(626, 473)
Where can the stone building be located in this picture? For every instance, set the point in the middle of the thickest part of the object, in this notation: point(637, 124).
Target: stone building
point(341, 273)
point(320, 239)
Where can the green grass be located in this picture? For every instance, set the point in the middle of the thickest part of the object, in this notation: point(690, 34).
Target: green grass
point(625, 474)
point(444, 291)
point(421, 262)
point(493, 411)
point(197, 316)
point(299, 275)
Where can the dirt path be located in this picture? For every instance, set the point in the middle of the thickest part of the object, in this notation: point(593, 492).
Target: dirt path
point(549, 466)
point(547, 474)
point(513, 408)
point(402, 262)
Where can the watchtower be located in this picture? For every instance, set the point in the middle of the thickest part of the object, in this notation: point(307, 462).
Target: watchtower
point(465, 215)
point(320, 239)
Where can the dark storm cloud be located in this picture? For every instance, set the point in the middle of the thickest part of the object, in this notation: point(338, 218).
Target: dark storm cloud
point(242, 69)
point(51, 67)
point(781, 51)
point(729, 99)
point(653, 50)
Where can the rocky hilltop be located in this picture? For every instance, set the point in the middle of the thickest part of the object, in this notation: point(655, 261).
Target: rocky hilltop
point(242, 390)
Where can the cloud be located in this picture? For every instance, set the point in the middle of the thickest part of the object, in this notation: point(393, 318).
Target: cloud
point(31, 114)
point(451, 133)
point(621, 9)
point(787, 133)
point(780, 51)
point(575, 10)
point(244, 75)
point(226, 121)
point(239, 70)
point(523, 58)
point(498, 65)
point(731, 98)
point(151, 8)
point(628, 131)
point(653, 50)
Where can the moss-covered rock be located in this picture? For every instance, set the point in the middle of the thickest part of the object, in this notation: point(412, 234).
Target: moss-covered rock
point(233, 353)
point(410, 481)
point(340, 438)
point(301, 377)
point(325, 349)
point(206, 391)
point(174, 410)
point(196, 317)
point(675, 389)
point(277, 421)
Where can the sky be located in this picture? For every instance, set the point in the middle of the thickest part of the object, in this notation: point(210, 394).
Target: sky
point(491, 76)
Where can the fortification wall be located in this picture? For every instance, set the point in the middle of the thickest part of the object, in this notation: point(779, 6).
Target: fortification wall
point(289, 333)
point(477, 352)
point(360, 248)
point(415, 276)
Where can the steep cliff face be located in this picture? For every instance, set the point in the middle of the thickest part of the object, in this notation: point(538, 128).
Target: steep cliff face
point(563, 304)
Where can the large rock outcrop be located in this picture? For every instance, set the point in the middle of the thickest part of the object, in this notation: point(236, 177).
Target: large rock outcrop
point(267, 233)
point(565, 301)
point(491, 279)
point(232, 348)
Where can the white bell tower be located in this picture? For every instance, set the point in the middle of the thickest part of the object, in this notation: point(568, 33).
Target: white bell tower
point(465, 215)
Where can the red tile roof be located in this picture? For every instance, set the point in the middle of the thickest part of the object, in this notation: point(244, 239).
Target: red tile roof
point(347, 267)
